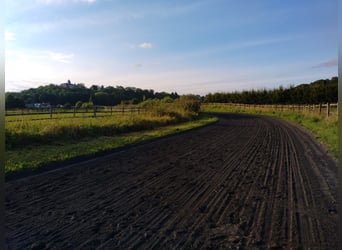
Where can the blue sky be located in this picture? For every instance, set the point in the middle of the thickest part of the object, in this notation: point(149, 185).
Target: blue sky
point(187, 46)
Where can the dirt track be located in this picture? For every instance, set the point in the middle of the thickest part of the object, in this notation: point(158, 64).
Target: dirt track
point(246, 182)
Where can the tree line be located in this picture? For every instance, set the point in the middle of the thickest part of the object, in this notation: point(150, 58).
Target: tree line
point(68, 94)
point(320, 91)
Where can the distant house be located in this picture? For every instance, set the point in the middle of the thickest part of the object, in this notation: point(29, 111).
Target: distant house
point(68, 85)
point(42, 105)
point(29, 105)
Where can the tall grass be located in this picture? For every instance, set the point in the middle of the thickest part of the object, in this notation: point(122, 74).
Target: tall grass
point(25, 132)
point(32, 143)
point(40, 155)
point(158, 113)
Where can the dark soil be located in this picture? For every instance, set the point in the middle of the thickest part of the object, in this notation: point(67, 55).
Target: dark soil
point(246, 182)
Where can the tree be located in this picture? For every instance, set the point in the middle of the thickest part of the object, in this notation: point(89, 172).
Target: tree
point(87, 105)
point(190, 103)
point(102, 98)
point(67, 105)
point(78, 104)
point(316, 92)
point(11, 101)
point(167, 99)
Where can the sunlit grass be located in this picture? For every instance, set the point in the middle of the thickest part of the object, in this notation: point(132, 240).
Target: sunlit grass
point(61, 149)
point(27, 132)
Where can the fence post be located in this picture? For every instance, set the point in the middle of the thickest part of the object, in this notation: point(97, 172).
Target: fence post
point(111, 110)
point(328, 109)
point(94, 110)
point(50, 112)
point(320, 108)
point(74, 111)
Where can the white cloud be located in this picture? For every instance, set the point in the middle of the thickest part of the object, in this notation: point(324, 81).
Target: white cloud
point(50, 1)
point(38, 55)
point(32, 67)
point(60, 57)
point(63, 1)
point(145, 45)
point(9, 36)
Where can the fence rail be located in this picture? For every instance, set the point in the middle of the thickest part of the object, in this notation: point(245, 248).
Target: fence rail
point(52, 112)
point(323, 108)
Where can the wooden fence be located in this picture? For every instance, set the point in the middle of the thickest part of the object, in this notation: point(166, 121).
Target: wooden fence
point(326, 108)
point(75, 112)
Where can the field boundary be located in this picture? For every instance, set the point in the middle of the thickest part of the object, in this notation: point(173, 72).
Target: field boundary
point(52, 112)
point(326, 108)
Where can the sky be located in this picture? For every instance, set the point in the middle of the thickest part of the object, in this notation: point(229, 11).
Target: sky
point(183, 46)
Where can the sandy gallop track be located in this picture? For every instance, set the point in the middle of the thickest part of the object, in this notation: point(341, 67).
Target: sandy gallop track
point(246, 182)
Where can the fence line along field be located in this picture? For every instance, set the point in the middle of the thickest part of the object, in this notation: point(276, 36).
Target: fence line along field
point(321, 109)
point(58, 113)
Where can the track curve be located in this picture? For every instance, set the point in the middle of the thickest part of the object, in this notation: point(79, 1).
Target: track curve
point(245, 182)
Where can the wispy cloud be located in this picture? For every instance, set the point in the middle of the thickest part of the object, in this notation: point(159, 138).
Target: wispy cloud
point(232, 46)
point(169, 10)
point(42, 55)
point(326, 64)
point(145, 45)
point(137, 65)
point(19, 85)
point(60, 57)
point(9, 36)
point(37, 66)
point(64, 1)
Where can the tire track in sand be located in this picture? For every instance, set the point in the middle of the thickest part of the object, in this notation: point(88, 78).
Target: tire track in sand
point(244, 182)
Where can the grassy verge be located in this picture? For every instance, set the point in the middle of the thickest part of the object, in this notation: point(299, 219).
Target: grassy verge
point(25, 133)
point(33, 156)
point(324, 128)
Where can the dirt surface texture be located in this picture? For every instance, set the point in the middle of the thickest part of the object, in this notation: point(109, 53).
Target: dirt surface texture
point(245, 182)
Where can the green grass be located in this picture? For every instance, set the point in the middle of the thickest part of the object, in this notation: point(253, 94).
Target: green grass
point(324, 128)
point(29, 132)
point(38, 155)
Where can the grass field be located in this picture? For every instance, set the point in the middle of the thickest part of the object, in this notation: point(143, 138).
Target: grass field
point(31, 143)
point(324, 128)
point(29, 132)
point(33, 156)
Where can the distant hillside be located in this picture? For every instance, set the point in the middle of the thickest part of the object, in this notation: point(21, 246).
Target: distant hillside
point(69, 94)
point(320, 91)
